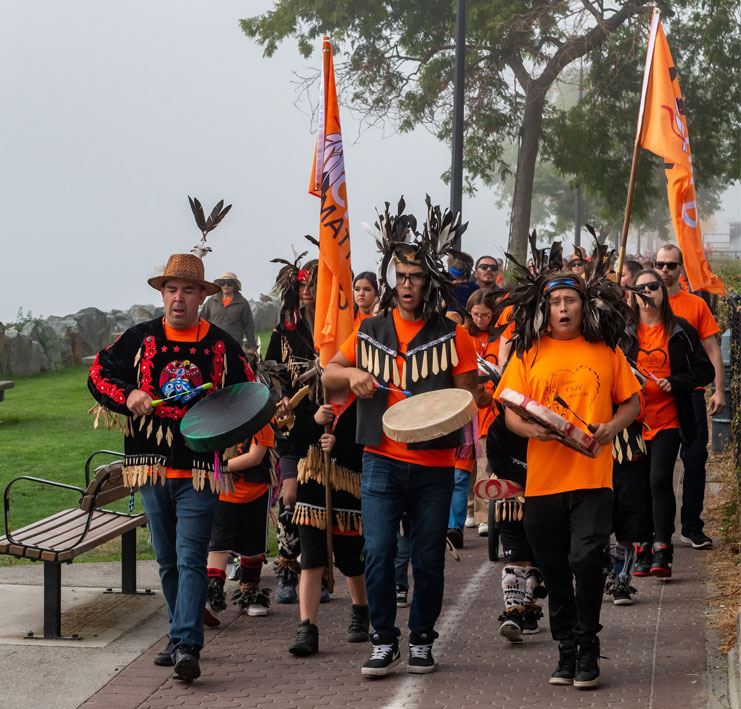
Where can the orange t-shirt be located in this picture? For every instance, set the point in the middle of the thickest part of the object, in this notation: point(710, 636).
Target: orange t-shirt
point(245, 491)
point(359, 317)
point(191, 334)
point(653, 357)
point(227, 300)
point(406, 330)
point(590, 377)
point(695, 311)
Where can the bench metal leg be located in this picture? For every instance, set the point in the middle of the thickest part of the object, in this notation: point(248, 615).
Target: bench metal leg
point(52, 599)
point(128, 562)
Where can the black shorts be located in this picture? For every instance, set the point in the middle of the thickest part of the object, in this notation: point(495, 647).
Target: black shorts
point(241, 527)
point(631, 506)
point(514, 542)
point(348, 550)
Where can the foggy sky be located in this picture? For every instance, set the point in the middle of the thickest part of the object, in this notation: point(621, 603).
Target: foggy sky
point(113, 113)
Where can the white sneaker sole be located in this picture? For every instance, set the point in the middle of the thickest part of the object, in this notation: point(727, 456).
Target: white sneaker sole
point(380, 671)
point(561, 681)
point(586, 684)
point(622, 602)
point(704, 545)
point(255, 611)
point(470, 523)
point(420, 669)
point(511, 631)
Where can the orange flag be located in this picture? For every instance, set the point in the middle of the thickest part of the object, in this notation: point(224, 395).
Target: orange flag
point(664, 132)
point(334, 317)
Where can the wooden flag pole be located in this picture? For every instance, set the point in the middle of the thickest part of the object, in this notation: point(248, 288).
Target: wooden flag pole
point(328, 507)
point(637, 144)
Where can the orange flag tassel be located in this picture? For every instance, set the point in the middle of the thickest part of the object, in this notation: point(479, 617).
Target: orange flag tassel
point(334, 304)
point(664, 132)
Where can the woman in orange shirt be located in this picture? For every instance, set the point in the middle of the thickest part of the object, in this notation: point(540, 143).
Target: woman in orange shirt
point(667, 349)
point(365, 295)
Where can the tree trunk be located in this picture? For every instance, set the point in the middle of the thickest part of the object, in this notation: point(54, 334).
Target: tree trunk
point(532, 121)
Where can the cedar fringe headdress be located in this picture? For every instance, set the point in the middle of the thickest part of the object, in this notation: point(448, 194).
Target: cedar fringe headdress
point(289, 280)
point(605, 311)
point(398, 240)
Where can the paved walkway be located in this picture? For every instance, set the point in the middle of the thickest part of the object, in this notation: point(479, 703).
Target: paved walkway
point(656, 651)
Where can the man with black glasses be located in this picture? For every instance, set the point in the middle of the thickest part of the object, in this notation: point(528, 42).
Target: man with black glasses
point(695, 311)
point(487, 272)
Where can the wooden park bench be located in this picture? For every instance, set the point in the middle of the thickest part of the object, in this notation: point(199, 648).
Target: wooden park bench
point(63, 536)
point(3, 387)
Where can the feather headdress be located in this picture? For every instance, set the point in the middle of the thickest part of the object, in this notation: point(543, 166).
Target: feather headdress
point(398, 240)
point(289, 280)
point(206, 225)
point(605, 312)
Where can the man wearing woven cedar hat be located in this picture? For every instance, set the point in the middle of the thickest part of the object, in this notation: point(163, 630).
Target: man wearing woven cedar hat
point(171, 358)
point(411, 346)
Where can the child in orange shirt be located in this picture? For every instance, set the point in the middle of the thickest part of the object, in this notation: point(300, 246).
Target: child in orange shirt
point(241, 528)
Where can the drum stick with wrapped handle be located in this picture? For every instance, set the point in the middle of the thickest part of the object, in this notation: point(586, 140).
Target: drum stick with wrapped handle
point(590, 426)
point(203, 387)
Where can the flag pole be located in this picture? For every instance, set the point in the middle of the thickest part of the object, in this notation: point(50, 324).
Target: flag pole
point(637, 143)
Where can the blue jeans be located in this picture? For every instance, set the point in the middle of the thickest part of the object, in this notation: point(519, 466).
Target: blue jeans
point(694, 457)
point(459, 503)
point(401, 562)
point(180, 519)
point(388, 489)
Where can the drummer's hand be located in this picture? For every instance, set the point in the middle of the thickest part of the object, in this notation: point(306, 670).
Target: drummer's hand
point(139, 402)
point(665, 385)
point(604, 433)
point(327, 441)
point(281, 408)
point(362, 383)
point(288, 491)
point(324, 415)
point(541, 433)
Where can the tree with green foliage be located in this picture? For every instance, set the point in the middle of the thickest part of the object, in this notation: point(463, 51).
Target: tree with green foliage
point(399, 67)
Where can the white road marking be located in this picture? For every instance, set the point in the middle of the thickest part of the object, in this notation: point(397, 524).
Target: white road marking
point(451, 619)
point(656, 647)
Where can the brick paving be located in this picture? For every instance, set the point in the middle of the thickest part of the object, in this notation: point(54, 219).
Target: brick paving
point(656, 651)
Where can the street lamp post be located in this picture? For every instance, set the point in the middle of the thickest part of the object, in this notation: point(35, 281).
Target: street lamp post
point(456, 167)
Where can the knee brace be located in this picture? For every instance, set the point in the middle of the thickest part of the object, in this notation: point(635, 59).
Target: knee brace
point(514, 582)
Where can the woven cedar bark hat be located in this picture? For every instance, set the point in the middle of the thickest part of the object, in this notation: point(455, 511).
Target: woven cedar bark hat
point(184, 267)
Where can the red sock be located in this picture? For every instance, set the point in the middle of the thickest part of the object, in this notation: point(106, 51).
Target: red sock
point(218, 574)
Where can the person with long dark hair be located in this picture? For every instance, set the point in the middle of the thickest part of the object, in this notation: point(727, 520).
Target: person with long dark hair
point(365, 295)
point(668, 351)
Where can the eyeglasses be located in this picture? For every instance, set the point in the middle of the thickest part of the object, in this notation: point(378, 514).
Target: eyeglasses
point(671, 265)
point(488, 266)
point(416, 279)
point(652, 286)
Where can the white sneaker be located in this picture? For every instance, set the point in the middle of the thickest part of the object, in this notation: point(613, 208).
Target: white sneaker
point(256, 609)
point(483, 529)
point(470, 522)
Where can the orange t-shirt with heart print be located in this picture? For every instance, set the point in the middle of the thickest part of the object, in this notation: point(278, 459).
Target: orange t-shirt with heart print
point(653, 357)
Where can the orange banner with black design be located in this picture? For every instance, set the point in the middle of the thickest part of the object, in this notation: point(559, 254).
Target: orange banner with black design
point(334, 317)
point(664, 132)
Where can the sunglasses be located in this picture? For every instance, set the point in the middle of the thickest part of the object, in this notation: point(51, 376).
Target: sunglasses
point(671, 265)
point(576, 264)
point(652, 286)
point(488, 267)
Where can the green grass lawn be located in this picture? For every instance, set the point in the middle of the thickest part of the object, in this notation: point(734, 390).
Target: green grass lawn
point(46, 432)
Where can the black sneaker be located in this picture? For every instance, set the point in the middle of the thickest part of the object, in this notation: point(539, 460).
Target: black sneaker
point(512, 624)
point(587, 664)
point(644, 556)
point(215, 603)
point(307, 640)
point(382, 659)
point(357, 631)
point(421, 661)
point(530, 617)
point(402, 597)
point(186, 664)
point(697, 538)
point(456, 538)
point(164, 657)
point(661, 566)
point(566, 668)
point(622, 592)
